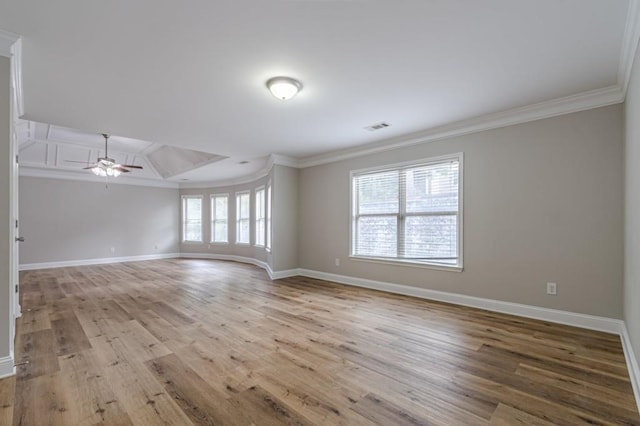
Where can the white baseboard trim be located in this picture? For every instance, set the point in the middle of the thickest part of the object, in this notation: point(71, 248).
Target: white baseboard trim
point(278, 275)
point(232, 257)
point(7, 367)
point(590, 322)
point(632, 363)
point(95, 261)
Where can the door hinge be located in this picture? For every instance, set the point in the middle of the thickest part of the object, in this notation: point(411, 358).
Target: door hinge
point(16, 288)
point(16, 159)
point(16, 223)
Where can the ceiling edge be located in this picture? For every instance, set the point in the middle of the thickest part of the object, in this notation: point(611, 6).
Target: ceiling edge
point(629, 44)
point(274, 159)
point(7, 40)
point(40, 172)
point(555, 107)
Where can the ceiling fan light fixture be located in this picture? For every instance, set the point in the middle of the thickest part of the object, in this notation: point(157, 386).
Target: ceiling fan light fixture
point(103, 171)
point(284, 88)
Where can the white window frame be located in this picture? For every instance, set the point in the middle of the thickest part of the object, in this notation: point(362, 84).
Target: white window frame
point(239, 219)
point(184, 219)
point(268, 235)
point(260, 218)
point(213, 218)
point(458, 267)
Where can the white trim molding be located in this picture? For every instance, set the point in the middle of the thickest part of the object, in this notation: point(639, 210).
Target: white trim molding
point(7, 40)
point(231, 257)
point(591, 322)
point(574, 103)
point(51, 173)
point(96, 261)
point(629, 44)
point(7, 367)
point(632, 363)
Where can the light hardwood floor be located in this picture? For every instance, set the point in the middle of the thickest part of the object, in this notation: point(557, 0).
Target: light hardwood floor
point(205, 342)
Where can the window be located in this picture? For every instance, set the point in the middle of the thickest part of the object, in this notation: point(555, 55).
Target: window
point(260, 217)
point(409, 213)
point(268, 238)
point(242, 218)
point(219, 218)
point(192, 218)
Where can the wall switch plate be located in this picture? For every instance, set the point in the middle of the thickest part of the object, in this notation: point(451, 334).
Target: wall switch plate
point(113, 249)
point(552, 289)
point(337, 261)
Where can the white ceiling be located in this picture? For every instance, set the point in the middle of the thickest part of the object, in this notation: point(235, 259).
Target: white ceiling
point(58, 149)
point(193, 74)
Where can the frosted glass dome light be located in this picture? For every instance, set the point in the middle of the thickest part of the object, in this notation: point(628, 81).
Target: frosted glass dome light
point(284, 88)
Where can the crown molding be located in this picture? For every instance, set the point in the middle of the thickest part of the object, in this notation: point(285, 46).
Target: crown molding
point(629, 44)
point(274, 159)
point(555, 107)
point(7, 40)
point(27, 170)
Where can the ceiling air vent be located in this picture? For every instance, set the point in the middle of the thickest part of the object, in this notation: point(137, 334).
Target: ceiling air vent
point(377, 126)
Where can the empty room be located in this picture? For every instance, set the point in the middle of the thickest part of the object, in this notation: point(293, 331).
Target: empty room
point(320, 212)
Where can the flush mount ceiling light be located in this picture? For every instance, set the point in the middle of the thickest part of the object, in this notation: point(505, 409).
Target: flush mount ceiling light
point(284, 87)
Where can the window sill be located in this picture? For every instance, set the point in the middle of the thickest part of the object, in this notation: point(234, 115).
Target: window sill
point(193, 242)
point(242, 244)
point(398, 262)
point(219, 243)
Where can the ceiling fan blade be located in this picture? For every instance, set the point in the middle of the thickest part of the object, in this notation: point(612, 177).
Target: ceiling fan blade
point(121, 169)
point(131, 166)
point(73, 161)
point(89, 167)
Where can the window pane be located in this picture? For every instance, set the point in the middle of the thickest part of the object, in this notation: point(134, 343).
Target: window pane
point(260, 232)
point(268, 236)
point(192, 219)
point(221, 208)
point(192, 231)
point(432, 188)
point(194, 208)
point(432, 238)
point(242, 218)
point(220, 232)
point(244, 206)
point(243, 235)
point(377, 236)
point(378, 193)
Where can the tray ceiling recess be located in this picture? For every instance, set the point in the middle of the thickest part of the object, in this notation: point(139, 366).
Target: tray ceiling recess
point(55, 148)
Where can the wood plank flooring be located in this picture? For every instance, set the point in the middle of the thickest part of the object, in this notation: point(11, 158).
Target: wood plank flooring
point(202, 342)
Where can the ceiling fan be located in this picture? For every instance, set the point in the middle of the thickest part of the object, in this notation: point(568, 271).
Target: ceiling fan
point(106, 166)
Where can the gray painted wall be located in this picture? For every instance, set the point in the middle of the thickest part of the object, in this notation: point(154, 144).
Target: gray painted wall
point(543, 201)
point(65, 220)
point(285, 218)
point(5, 207)
point(632, 210)
point(231, 249)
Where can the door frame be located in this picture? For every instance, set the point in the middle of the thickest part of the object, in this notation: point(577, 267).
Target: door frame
point(11, 47)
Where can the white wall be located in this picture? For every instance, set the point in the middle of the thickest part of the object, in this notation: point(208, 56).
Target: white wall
point(64, 220)
point(543, 201)
point(632, 209)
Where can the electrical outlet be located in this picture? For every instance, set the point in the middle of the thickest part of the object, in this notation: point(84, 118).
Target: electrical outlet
point(337, 261)
point(155, 247)
point(552, 289)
